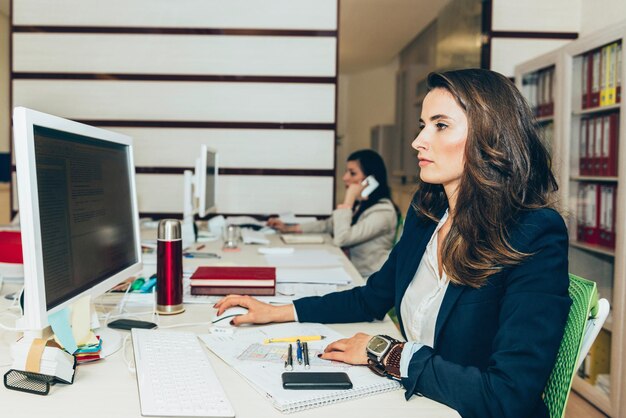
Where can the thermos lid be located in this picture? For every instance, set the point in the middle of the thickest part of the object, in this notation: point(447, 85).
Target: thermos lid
point(169, 230)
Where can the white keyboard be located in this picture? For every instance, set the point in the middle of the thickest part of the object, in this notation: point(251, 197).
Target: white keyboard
point(175, 377)
point(250, 236)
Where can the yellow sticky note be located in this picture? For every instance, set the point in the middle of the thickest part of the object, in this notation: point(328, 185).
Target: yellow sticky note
point(81, 320)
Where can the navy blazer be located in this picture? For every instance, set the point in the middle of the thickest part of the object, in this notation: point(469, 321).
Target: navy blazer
point(495, 346)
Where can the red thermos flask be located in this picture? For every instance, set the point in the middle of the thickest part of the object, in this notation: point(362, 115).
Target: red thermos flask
point(169, 287)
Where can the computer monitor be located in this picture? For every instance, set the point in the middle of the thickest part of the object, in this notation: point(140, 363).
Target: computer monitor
point(78, 210)
point(206, 173)
point(199, 192)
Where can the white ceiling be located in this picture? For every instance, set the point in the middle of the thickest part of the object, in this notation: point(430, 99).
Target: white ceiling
point(372, 32)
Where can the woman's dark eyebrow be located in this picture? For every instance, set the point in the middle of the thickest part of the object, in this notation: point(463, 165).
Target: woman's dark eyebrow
point(435, 117)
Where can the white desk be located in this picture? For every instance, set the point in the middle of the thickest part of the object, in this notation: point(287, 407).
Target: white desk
point(107, 389)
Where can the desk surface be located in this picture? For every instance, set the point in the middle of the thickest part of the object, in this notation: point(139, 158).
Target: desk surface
point(108, 389)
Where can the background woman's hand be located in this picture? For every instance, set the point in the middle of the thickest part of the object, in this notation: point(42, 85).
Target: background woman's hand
point(348, 350)
point(258, 312)
point(353, 193)
point(280, 226)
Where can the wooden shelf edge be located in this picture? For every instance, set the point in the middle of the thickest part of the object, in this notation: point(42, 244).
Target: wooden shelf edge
point(592, 394)
point(604, 179)
point(593, 248)
point(597, 109)
point(544, 119)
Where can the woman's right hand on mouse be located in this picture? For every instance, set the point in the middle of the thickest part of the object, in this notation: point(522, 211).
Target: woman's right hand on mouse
point(258, 312)
point(280, 226)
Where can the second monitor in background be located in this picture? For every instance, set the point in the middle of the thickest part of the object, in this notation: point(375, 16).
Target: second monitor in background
point(200, 192)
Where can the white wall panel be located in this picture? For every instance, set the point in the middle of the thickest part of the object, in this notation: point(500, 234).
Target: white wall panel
point(238, 148)
point(174, 54)
point(260, 14)
point(536, 15)
point(241, 194)
point(506, 53)
point(179, 101)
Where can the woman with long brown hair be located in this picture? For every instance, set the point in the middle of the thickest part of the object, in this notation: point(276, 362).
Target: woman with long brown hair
point(479, 278)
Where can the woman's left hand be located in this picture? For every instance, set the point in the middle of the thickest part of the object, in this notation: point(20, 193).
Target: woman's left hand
point(348, 350)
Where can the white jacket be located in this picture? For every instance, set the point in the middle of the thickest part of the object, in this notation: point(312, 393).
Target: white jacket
point(369, 240)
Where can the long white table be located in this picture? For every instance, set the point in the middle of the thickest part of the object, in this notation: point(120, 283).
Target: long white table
point(108, 388)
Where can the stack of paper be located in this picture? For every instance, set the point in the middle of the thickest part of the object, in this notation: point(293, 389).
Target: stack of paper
point(54, 360)
point(263, 368)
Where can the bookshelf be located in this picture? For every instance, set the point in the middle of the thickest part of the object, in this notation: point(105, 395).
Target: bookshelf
point(587, 184)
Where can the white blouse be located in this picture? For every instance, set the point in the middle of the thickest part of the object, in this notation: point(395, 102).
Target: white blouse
point(421, 302)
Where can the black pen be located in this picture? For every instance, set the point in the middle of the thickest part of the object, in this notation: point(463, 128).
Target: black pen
point(289, 362)
point(305, 351)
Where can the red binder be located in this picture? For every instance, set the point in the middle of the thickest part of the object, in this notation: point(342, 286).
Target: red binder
point(256, 281)
point(11, 247)
point(613, 144)
point(603, 169)
point(580, 213)
point(550, 104)
point(585, 85)
point(607, 221)
point(592, 213)
point(596, 155)
point(595, 78)
point(583, 148)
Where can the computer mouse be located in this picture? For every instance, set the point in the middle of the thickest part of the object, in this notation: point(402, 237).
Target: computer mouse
point(230, 313)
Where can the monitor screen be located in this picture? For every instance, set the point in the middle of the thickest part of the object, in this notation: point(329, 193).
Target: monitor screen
point(78, 211)
point(85, 211)
point(207, 184)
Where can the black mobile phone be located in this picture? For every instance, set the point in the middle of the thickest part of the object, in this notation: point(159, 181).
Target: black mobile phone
point(131, 323)
point(316, 380)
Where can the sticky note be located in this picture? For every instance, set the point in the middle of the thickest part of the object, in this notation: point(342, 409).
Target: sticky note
point(81, 320)
point(60, 323)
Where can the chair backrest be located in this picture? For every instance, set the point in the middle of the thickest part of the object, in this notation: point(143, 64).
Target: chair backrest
point(580, 331)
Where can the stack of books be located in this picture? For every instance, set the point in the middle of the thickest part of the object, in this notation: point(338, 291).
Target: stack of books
point(90, 351)
point(219, 281)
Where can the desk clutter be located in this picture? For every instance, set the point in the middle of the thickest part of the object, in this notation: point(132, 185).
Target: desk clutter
point(263, 365)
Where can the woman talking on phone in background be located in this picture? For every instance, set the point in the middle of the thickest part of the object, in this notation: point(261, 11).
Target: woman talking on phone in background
point(479, 278)
point(365, 222)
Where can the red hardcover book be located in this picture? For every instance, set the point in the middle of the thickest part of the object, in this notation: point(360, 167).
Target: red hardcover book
point(234, 280)
point(11, 247)
point(613, 144)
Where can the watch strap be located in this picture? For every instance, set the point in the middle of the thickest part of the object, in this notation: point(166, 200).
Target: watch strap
point(391, 361)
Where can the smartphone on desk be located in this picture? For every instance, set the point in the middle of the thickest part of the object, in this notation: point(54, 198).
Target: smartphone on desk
point(316, 380)
point(127, 324)
point(370, 184)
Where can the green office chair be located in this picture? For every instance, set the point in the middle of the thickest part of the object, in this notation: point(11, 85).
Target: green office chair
point(584, 322)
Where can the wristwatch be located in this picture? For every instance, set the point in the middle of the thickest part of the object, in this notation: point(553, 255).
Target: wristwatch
point(383, 355)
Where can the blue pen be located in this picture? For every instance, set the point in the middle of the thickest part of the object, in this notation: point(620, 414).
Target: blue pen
point(148, 285)
point(299, 351)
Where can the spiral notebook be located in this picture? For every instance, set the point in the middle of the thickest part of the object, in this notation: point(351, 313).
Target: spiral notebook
point(263, 364)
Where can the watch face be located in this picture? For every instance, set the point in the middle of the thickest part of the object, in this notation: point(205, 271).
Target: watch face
point(378, 345)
